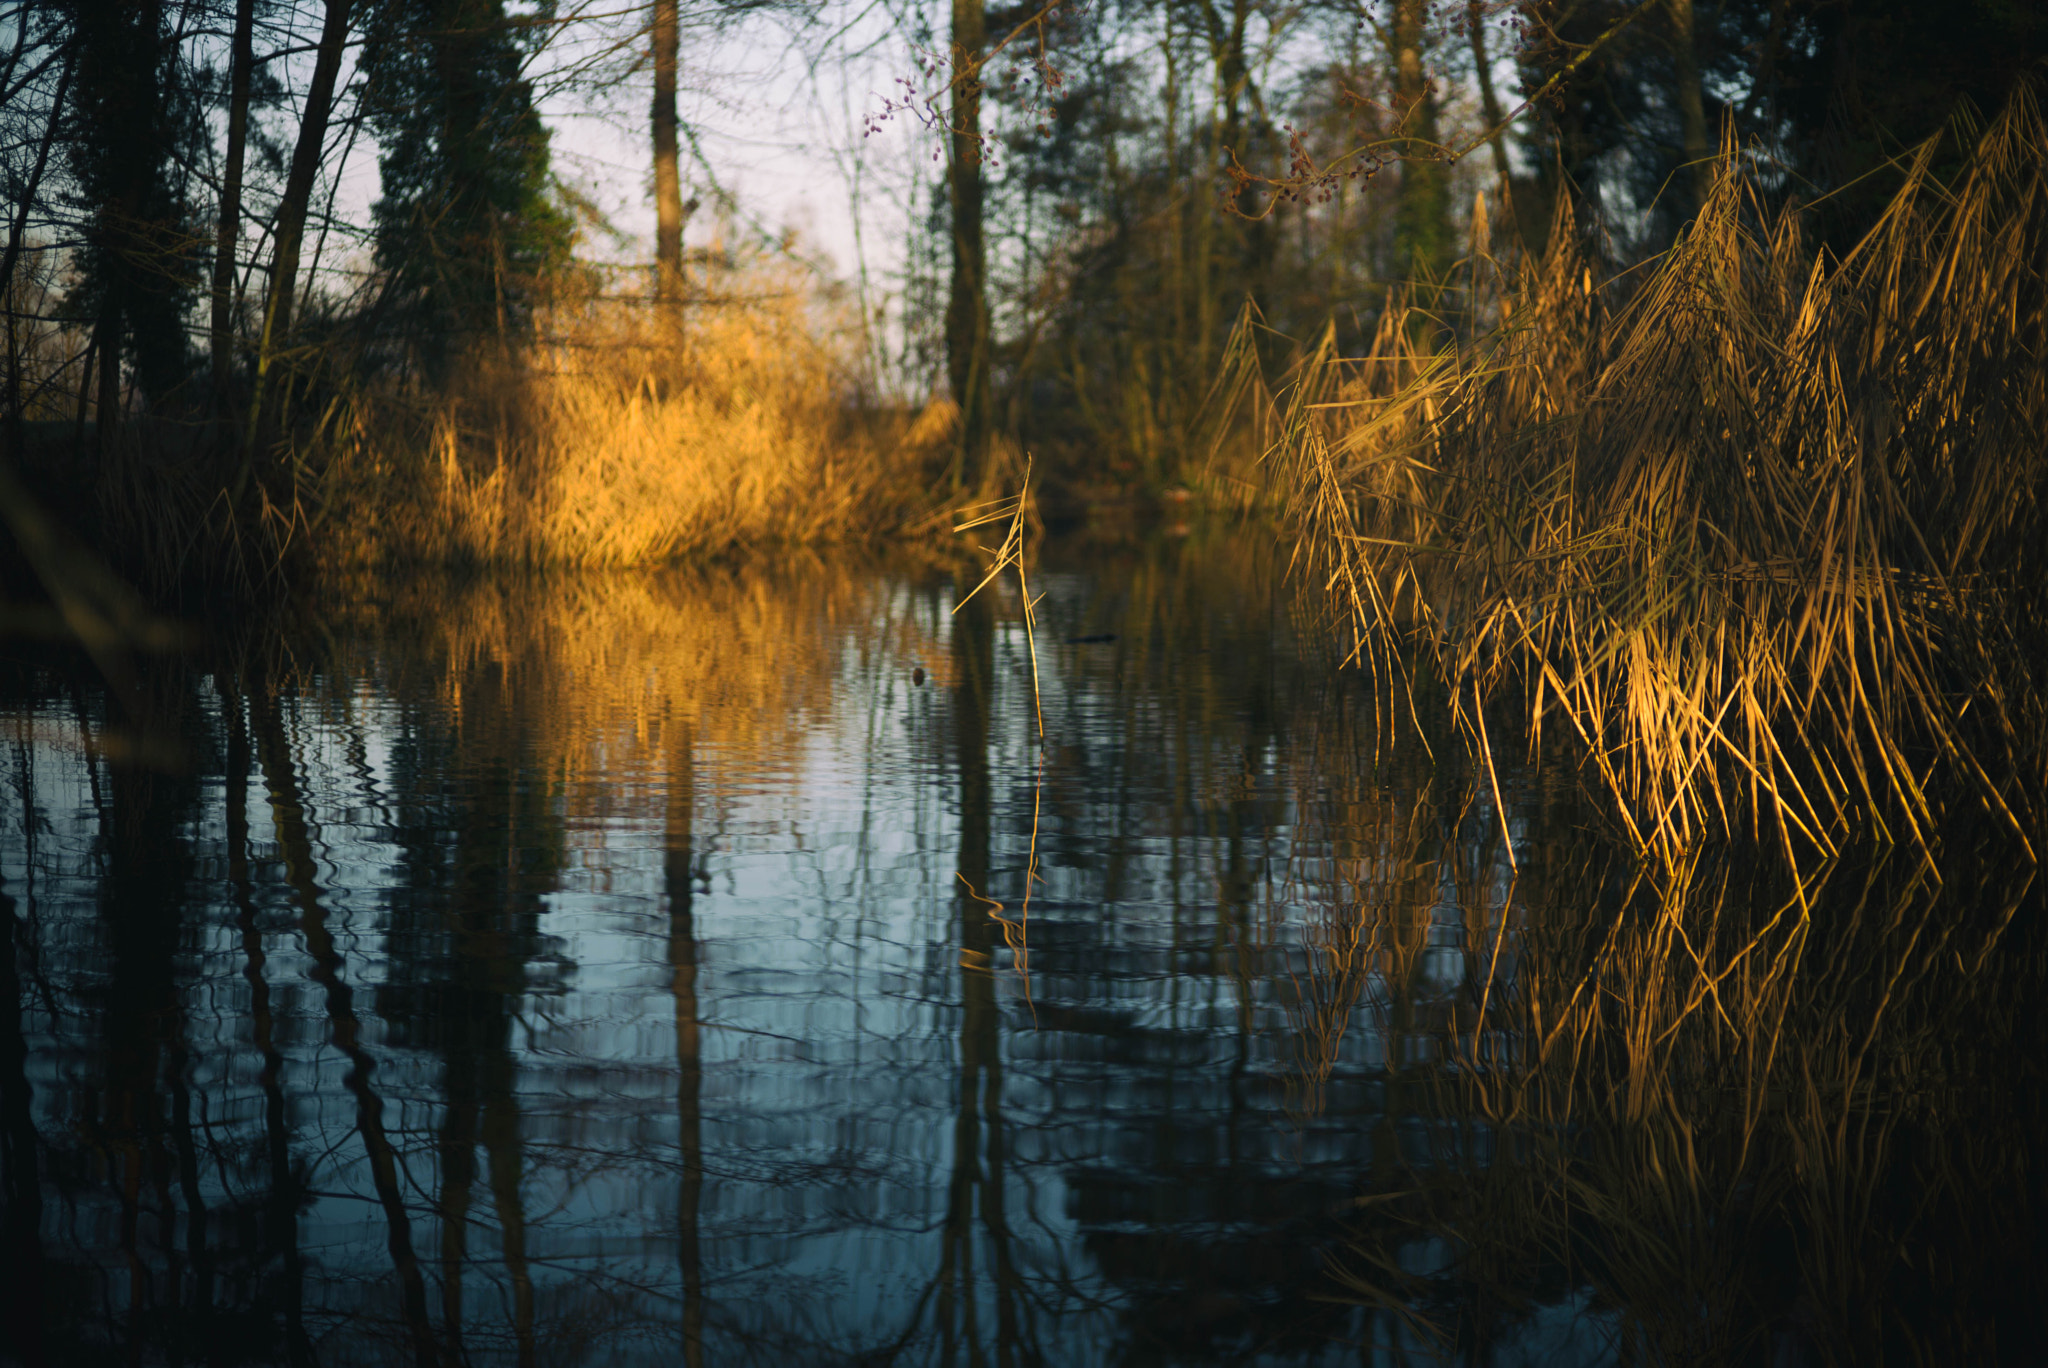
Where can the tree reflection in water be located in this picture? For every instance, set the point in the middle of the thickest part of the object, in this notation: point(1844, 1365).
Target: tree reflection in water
point(679, 882)
point(604, 971)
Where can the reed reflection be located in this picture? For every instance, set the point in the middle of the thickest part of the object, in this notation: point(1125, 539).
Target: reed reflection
point(1729, 1112)
point(603, 970)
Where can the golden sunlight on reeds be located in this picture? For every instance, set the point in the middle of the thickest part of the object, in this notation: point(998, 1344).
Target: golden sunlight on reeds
point(1755, 529)
point(632, 436)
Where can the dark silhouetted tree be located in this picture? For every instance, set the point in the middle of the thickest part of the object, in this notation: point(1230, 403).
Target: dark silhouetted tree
point(967, 318)
point(467, 228)
point(289, 229)
point(133, 124)
point(228, 227)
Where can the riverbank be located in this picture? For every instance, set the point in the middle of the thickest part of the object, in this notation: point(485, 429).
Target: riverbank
point(1752, 529)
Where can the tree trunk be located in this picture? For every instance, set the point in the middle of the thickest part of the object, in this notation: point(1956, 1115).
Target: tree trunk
point(107, 409)
point(298, 193)
point(117, 158)
point(1489, 100)
point(1691, 106)
point(1421, 218)
point(1233, 89)
point(242, 64)
point(17, 234)
point(669, 213)
point(967, 323)
point(21, 31)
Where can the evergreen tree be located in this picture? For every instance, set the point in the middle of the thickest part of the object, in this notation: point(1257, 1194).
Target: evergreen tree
point(1825, 92)
point(132, 125)
point(466, 227)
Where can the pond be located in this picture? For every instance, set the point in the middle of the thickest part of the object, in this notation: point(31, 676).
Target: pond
point(720, 967)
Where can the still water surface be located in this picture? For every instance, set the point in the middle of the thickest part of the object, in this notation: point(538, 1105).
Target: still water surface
point(717, 968)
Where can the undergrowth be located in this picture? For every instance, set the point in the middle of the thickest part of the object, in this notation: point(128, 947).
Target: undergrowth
point(629, 436)
point(1757, 528)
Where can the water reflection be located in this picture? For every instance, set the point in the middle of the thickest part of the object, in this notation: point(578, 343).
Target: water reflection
point(635, 969)
point(1758, 1114)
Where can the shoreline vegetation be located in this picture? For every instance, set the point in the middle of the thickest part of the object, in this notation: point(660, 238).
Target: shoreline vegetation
point(1750, 523)
point(624, 433)
point(1668, 733)
point(633, 436)
point(1754, 527)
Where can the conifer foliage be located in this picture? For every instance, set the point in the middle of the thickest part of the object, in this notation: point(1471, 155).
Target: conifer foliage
point(132, 124)
point(466, 227)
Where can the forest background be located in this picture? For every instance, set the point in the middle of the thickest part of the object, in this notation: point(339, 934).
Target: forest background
point(1665, 379)
point(1069, 225)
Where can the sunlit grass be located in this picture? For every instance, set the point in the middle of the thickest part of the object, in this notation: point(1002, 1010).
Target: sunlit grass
point(633, 436)
point(1754, 528)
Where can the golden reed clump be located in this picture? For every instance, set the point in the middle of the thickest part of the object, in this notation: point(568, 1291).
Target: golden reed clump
point(1757, 528)
point(631, 435)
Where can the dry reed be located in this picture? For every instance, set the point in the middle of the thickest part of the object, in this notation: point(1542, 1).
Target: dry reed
point(632, 436)
point(1758, 527)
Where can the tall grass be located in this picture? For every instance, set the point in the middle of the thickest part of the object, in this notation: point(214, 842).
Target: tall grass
point(1758, 528)
point(631, 436)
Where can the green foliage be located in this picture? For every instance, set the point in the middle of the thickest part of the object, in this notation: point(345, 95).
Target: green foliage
point(134, 123)
point(467, 227)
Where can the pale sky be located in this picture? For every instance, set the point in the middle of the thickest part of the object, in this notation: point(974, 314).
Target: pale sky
point(778, 105)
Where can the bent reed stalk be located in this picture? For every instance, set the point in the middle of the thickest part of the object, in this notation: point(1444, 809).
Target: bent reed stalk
point(1758, 526)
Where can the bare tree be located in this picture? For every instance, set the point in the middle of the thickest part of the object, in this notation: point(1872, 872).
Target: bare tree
point(298, 193)
point(967, 321)
point(17, 234)
point(242, 65)
point(1489, 99)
